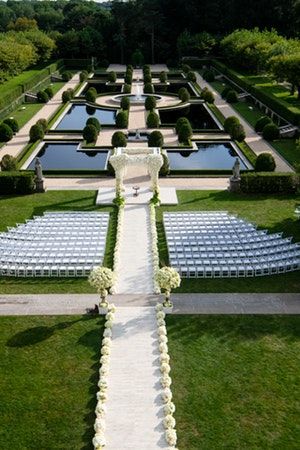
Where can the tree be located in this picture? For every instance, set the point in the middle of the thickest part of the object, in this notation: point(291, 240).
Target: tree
point(184, 95)
point(12, 123)
point(122, 119)
point(152, 120)
point(118, 139)
point(36, 133)
point(150, 103)
point(95, 122)
point(155, 139)
point(90, 134)
point(42, 43)
point(137, 58)
point(6, 133)
point(125, 103)
point(287, 68)
point(185, 133)
point(23, 24)
point(8, 163)
point(14, 56)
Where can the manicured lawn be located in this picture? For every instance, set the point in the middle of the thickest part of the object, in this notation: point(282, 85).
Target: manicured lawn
point(17, 209)
point(48, 381)
point(275, 213)
point(236, 381)
point(288, 149)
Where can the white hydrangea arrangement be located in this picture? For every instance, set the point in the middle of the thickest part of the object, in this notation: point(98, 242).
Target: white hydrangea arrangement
point(169, 422)
point(99, 440)
point(154, 247)
point(102, 278)
point(117, 244)
point(168, 278)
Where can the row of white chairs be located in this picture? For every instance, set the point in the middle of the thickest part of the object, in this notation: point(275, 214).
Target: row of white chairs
point(14, 270)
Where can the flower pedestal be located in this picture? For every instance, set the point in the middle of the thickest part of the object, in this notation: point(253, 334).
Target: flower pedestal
point(167, 304)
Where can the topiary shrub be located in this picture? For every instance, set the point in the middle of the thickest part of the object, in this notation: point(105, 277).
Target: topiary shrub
point(155, 139)
point(183, 94)
point(150, 103)
point(165, 168)
point(180, 122)
point(43, 123)
point(95, 122)
point(186, 68)
point(230, 122)
point(148, 88)
point(146, 68)
point(152, 120)
point(208, 76)
point(231, 96)
point(112, 77)
point(238, 132)
point(8, 163)
point(147, 78)
point(271, 132)
point(128, 78)
point(225, 91)
point(36, 133)
point(6, 133)
point(127, 88)
point(90, 96)
point(118, 139)
point(66, 96)
point(129, 67)
point(207, 96)
point(261, 123)
point(42, 97)
point(185, 133)
point(191, 76)
point(49, 92)
point(122, 119)
point(265, 163)
point(66, 75)
point(12, 123)
point(90, 134)
point(163, 77)
point(83, 76)
point(125, 103)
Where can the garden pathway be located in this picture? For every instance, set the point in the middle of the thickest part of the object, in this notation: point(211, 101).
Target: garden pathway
point(255, 141)
point(134, 408)
point(21, 139)
point(135, 273)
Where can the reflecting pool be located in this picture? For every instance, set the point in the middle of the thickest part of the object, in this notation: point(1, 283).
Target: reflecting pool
point(77, 115)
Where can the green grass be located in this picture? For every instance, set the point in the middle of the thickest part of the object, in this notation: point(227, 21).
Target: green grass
point(288, 149)
point(236, 381)
point(48, 381)
point(275, 213)
point(17, 209)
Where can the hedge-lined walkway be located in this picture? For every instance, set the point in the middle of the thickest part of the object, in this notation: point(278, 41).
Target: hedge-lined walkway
point(21, 139)
point(255, 141)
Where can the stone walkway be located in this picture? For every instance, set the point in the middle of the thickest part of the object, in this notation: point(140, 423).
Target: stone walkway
point(232, 303)
point(135, 273)
point(21, 139)
point(134, 408)
point(255, 141)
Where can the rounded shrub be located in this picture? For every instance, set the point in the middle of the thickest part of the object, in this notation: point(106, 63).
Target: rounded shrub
point(126, 88)
point(90, 134)
point(191, 76)
point(180, 122)
point(152, 120)
point(261, 123)
point(208, 76)
point(185, 133)
point(112, 77)
point(231, 96)
point(122, 119)
point(42, 97)
point(238, 132)
point(66, 75)
point(271, 132)
point(36, 133)
point(148, 88)
point(163, 77)
point(43, 123)
point(165, 168)
point(155, 139)
point(118, 139)
point(207, 96)
point(225, 91)
point(150, 103)
point(186, 68)
point(183, 94)
point(66, 96)
point(95, 122)
point(230, 122)
point(125, 103)
point(90, 96)
point(49, 92)
point(12, 123)
point(6, 133)
point(83, 76)
point(147, 78)
point(8, 163)
point(265, 163)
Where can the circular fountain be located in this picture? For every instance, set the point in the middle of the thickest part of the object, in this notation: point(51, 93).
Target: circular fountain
point(135, 99)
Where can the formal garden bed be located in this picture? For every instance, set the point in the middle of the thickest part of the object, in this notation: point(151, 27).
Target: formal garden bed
point(235, 381)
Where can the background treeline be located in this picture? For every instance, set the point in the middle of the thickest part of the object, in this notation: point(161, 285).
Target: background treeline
point(161, 30)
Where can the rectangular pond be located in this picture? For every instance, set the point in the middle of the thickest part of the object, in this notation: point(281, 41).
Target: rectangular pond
point(76, 117)
point(102, 88)
point(197, 114)
point(65, 156)
point(209, 156)
point(173, 87)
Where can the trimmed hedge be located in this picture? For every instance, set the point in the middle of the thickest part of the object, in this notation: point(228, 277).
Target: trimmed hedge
point(16, 183)
point(269, 183)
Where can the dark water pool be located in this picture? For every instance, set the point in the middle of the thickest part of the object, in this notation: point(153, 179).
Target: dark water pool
point(173, 87)
point(197, 115)
point(64, 156)
point(209, 156)
point(102, 88)
point(77, 115)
